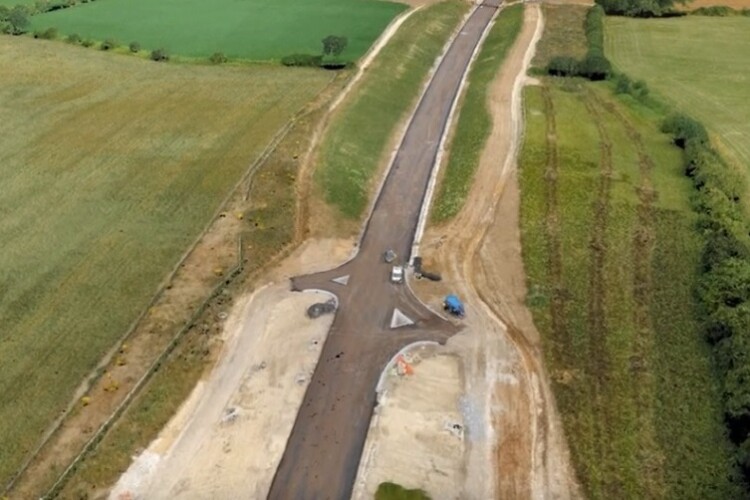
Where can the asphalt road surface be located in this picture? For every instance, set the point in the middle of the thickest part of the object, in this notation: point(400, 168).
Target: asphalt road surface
point(324, 449)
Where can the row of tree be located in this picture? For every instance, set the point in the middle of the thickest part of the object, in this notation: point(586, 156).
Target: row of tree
point(723, 289)
point(640, 8)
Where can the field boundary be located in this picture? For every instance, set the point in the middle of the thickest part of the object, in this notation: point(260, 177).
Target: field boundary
point(98, 370)
point(130, 396)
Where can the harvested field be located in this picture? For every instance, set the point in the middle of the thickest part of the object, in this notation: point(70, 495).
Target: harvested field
point(249, 30)
point(349, 158)
point(610, 254)
point(112, 167)
point(698, 64)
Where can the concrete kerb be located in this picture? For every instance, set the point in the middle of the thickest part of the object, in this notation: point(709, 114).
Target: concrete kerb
point(379, 391)
point(402, 133)
point(427, 201)
point(394, 152)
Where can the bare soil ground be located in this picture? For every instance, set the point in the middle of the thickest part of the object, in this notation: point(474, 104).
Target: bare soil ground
point(419, 416)
point(237, 420)
point(479, 256)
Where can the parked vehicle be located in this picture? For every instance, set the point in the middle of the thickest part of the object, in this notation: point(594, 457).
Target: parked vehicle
point(397, 274)
point(454, 306)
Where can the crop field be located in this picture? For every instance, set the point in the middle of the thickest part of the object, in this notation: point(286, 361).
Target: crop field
point(349, 158)
point(701, 65)
point(474, 120)
point(111, 167)
point(611, 254)
point(251, 29)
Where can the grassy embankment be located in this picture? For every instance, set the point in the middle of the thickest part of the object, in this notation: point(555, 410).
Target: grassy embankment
point(474, 121)
point(249, 29)
point(356, 142)
point(611, 254)
point(111, 168)
point(700, 65)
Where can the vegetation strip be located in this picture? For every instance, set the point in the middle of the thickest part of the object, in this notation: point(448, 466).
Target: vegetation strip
point(474, 121)
point(623, 389)
point(349, 158)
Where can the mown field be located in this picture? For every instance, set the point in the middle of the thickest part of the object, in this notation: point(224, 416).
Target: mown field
point(251, 29)
point(611, 255)
point(700, 65)
point(474, 121)
point(111, 167)
point(355, 144)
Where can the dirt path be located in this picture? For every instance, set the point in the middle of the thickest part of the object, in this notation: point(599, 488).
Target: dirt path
point(479, 255)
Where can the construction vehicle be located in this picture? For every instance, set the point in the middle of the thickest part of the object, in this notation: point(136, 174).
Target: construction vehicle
point(454, 306)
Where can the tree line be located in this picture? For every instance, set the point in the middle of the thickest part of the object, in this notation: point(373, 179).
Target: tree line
point(723, 288)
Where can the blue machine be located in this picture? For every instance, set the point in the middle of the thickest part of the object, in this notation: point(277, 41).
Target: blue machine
point(453, 305)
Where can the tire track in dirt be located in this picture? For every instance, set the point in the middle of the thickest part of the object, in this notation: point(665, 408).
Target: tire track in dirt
point(552, 227)
point(643, 241)
point(599, 362)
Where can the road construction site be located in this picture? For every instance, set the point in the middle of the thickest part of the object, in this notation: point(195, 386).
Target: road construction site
point(385, 389)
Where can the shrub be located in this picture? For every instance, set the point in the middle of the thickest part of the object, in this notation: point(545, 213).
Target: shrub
point(109, 44)
point(684, 128)
point(562, 66)
point(73, 38)
point(301, 60)
point(218, 58)
point(134, 47)
point(49, 34)
point(595, 67)
point(159, 55)
point(87, 43)
point(715, 10)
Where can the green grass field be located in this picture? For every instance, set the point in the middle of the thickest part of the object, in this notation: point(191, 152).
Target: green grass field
point(611, 252)
point(111, 167)
point(349, 158)
point(701, 65)
point(474, 120)
point(251, 29)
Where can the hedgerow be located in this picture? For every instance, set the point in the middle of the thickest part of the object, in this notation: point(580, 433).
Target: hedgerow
point(723, 288)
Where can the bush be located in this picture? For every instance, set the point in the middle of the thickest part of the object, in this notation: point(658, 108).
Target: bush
point(87, 43)
point(134, 47)
point(683, 128)
point(49, 34)
point(715, 10)
point(109, 44)
point(723, 288)
point(218, 58)
point(73, 38)
point(595, 67)
point(159, 55)
point(562, 66)
point(301, 60)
